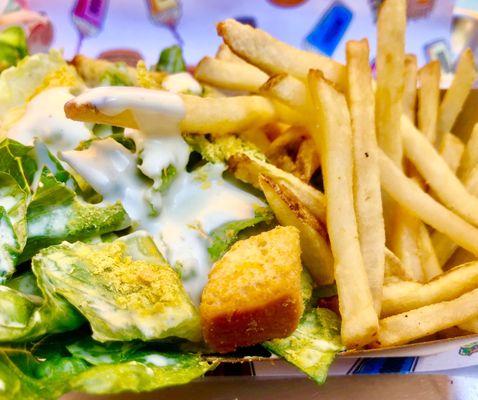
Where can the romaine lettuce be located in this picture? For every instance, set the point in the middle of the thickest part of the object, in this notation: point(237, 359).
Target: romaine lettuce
point(58, 366)
point(14, 194)
point(126, 292)
point(171, 60)
point(314, 344)
point(56, 213)
point(13, 46)
point(223, 237)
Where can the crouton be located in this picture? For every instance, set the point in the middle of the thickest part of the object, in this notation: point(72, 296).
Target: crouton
point(254, 291)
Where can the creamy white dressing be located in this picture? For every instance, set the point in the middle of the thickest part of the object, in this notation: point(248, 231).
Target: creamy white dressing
point(156, 112)
point(182, 82)
point(158, 360)
point(45, 119)
point(112, 171)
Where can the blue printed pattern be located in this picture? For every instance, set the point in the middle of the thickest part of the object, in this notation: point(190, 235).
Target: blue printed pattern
point(391, 365)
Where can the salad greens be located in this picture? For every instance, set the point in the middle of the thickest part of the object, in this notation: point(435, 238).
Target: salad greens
point(60, 365)
point(56, 213)
point(123, 297)
point(171, 60)
point(226, 235)
point(313, 345)
point(13, 46)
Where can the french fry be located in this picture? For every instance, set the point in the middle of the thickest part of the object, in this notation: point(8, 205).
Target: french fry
point(404, 296)
point(459, 257)
point(443, 246)
point(225, 53)
point(424, 321)
point(307, 160)
point(451, 151)
point(290, 139)
point(248, 170)
point(429, 99)
point(470, 155)
point(274, 56)
point(390, 64)
point(438, 175)
point(204, 115)
point(92, 70)
point(456, 95)
point(404, 243)
point(289, 210)
point(409, 101)
point(405, 192)
point(289, 90)
point(334, 133)
point(394, 269)
point(256, 136)
point(288, 115)
point(429, 260)
point(367, 191)
point(230, 75)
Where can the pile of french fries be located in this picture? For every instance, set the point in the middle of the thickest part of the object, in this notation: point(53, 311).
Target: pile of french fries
point(399, 204)
point(395, 224)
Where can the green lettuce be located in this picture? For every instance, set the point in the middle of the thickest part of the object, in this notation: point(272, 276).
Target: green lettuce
point(60, 365)
point(13, 46)
point(313, 345)
point(125, 289)
point(222, 148)
point(56, 213)
point(116, 75)
point(171, 60)
point(14, 195)
point(223, 237)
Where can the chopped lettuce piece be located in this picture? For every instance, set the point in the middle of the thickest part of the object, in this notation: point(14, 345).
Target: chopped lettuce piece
point(222, 148)
point(27, 315)
point(171, 60)
point(20, 83)
point(14, 194)
point(223, 237)
point(59, 366)
point(126, 292)
point(313, 345)
point(13, 46)
point(56, 214)
point(116, 75)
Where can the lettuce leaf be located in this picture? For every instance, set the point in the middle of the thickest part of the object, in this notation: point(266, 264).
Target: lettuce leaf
point(13, 46)
point(56, 213)
point(171, 60)
point(14, 194)
point(223, 237)
point(314, 344)
point(20, 83)
point(60, 365)
point(125, 289)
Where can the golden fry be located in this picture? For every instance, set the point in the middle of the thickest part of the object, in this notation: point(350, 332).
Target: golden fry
point(429, 99)
point(424, 321)
point(334, 133)
point(404, 296)
point(275, 57)
point(409, 101)
point(456, 95)
point(367, 190)
point(405, 192)
point(289, 210)
point(390, 64)
point(230, 75)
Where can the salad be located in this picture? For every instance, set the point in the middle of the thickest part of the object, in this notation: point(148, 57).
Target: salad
point(108, 234)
